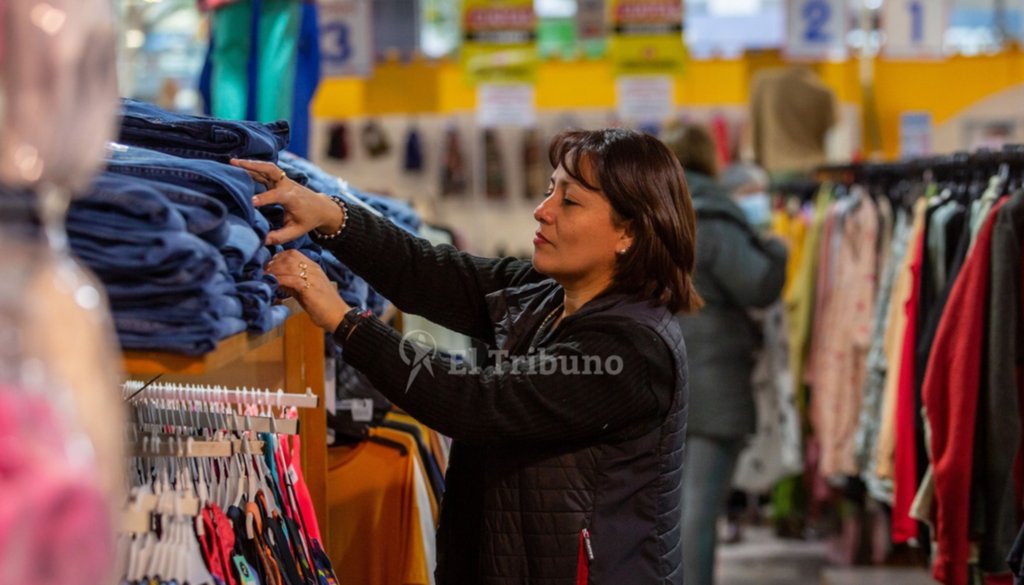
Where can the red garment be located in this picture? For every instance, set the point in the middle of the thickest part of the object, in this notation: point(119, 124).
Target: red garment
point(950, 395)
point(723, 146)
point(905, 465)
point(305, 501)
point(218, 543)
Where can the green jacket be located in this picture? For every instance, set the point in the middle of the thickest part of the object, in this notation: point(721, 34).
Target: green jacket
point(736, 270)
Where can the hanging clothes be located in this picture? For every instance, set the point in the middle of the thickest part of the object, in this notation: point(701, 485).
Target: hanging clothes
point(950, 396)
point(494, 166)
point(253, 56)
point(454, 166)
point(374, 491)
point(876, 411)
point(775, 451)
point(845, 337)
point(1000, 407)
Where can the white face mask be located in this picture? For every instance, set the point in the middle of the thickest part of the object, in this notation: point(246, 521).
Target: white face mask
point(757, 207)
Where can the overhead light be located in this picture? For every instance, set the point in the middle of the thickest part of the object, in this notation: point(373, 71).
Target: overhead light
point(134, 38)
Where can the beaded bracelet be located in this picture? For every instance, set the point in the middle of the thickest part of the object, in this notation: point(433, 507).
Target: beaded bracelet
point(344, 220)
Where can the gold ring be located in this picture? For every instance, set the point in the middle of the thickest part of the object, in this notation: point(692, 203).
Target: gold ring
point(283, 176)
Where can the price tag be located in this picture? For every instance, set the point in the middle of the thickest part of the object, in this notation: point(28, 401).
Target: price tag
point(346, 44)
point(914, 28)
point(362, 408)
point(816, 29)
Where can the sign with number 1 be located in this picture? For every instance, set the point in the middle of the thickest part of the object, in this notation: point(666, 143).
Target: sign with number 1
point(816, 29)
point(914, 28)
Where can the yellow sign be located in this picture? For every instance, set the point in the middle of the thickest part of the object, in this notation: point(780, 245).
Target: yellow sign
point(499, 41)
point(647, 36)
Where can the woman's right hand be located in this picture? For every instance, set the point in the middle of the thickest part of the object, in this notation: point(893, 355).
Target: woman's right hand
point(304, 210)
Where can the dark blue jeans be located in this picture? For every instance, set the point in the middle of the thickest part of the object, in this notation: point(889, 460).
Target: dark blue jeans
point(306, 173)
point(229, 185)
point(187, 136)
point(204, 216)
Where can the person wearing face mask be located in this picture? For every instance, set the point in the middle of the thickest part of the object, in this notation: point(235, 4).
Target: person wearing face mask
point(747, 184)
point(737, 269)
point(568, 444)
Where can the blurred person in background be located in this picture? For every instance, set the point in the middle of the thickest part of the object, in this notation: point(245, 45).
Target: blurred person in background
point(737, 270)
point(747, 184)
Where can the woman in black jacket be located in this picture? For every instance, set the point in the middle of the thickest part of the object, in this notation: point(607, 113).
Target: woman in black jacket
point(568, 445)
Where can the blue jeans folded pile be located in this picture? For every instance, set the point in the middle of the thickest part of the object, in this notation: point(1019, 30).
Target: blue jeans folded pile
point(170, 229)
point(156, 252)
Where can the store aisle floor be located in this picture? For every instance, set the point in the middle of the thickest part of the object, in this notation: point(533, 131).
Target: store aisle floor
point(766, 560)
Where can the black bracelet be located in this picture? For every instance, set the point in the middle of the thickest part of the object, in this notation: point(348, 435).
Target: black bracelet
point(348, 324)
point(321, 237)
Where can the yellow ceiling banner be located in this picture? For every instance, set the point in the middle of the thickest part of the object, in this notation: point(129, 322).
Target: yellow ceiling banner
point(499, 41)
point(647, 36)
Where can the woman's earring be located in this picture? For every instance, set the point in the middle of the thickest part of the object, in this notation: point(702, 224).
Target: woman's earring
point(621, 252)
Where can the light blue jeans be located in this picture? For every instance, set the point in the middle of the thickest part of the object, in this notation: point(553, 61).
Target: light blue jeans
point(707, 481)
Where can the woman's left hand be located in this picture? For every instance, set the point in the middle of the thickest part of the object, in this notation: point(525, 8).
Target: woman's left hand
point(303, 279)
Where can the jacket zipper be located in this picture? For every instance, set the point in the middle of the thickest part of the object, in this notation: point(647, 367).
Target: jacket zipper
point(584, 558)
point(587, 545)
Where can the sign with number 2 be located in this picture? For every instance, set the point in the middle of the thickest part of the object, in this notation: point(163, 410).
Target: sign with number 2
point(816, 29)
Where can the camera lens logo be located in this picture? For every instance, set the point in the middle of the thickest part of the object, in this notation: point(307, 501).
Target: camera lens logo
point(416, 350)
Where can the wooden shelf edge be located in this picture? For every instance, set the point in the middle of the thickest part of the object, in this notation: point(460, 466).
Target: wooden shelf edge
point(151, 363)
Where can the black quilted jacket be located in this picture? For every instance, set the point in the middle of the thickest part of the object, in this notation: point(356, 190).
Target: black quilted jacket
point(554, 479)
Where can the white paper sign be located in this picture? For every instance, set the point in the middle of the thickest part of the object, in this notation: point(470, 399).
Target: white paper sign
point(816, 29)
point(645, 98)
point(505, 104)
point(346, 41)
point(916, 131)
point(914, 28)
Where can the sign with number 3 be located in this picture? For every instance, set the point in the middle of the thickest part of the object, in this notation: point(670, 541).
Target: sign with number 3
point(346, 44)
point(816, 29)
point(914, 28)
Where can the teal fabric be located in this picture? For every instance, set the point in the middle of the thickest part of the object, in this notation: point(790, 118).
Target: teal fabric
point(232, 43)
point(278, 54)
point(255, 81)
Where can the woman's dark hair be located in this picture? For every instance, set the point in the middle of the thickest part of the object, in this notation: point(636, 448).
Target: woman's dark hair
point(644, 183)
point(695, 149)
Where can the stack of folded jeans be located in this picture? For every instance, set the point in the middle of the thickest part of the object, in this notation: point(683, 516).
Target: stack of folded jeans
point(156, 251)
point(398, 212)
point(171, 229)
point(242, 251)
point(187, 136)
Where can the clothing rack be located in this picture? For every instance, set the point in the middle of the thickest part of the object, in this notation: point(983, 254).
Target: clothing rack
point(218, 421)
point(1011, 156)
point(289, 357)
point(219, 394)
point(189, 448)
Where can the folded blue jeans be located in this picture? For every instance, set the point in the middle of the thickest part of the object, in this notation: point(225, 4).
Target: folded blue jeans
point(204, 216)
point(193, 339)
point(149, 126)
point(119, 203)
point(143, 256)
point(230, 185)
